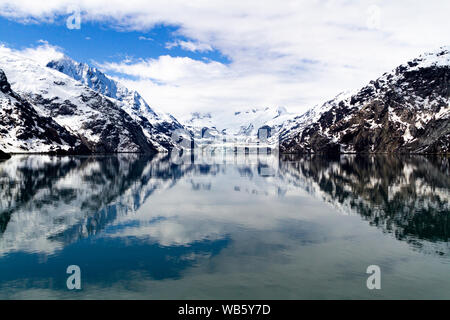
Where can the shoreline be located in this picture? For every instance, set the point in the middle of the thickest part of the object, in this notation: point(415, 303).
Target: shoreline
point(281, 153)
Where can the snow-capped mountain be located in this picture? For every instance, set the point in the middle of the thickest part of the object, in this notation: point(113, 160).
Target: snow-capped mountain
point(71, 107)
point(406, 110)
point(243, 124)
point(48, 111)
point(157, 126)
point(22, 129)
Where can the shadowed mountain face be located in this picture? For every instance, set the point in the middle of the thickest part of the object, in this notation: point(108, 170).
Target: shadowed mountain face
point(407, 196)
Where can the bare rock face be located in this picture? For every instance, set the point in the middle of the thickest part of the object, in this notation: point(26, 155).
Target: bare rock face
point(405, 111)
point(4, 156)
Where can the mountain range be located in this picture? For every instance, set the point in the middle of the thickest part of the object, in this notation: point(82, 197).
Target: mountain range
point(406, 110)
point(157, 126)
point(243, 126)
point(44, 110)
point(71, 107)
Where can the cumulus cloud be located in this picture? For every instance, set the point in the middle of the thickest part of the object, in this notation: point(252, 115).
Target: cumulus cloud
point(181, 85)
point(169, 69)
point(294, 53)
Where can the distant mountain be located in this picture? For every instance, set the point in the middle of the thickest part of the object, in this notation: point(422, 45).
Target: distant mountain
point(157, 126)
point(238, 124)
point(45, 110)
point(405, 111)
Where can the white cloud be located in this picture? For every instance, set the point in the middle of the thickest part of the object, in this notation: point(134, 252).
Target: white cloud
point(42, 53)
point(168, 69)
point(180, 85)
point(189, 45)
point(145, 38)
point(293, 53)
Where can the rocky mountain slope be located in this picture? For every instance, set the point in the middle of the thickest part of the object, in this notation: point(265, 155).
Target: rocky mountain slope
point(404, 111)
point(44, 110)
point(71, 107)
point(157, 126)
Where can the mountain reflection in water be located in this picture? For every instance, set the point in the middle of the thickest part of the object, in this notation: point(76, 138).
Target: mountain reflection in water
point(408, 196)
point(132, 216)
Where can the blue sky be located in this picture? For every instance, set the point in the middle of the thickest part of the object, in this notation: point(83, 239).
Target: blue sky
point(216, 55)
point(98, 42)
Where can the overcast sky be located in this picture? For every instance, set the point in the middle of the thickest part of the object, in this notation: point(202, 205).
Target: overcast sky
point(186, 56)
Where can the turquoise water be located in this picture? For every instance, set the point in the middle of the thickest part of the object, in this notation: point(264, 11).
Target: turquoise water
point(224, 227)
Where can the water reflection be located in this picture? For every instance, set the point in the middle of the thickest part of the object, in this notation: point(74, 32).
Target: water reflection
point(408, 196)
point(136, 216)
point(47, 202)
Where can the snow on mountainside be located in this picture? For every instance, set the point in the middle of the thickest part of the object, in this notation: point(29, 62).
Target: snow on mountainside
point(23, 129)
point(70, 107)
point(406, 110)
point(242, 124)
point(97, 121)
point(157, 126)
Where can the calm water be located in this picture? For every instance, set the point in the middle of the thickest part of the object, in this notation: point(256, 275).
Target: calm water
point(224, 227)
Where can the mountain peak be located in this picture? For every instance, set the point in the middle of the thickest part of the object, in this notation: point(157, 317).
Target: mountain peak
point(156, 125)
point(86, 74)
point(437, 58)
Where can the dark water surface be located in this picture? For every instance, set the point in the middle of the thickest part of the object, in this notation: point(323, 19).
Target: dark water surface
point(225, 227)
